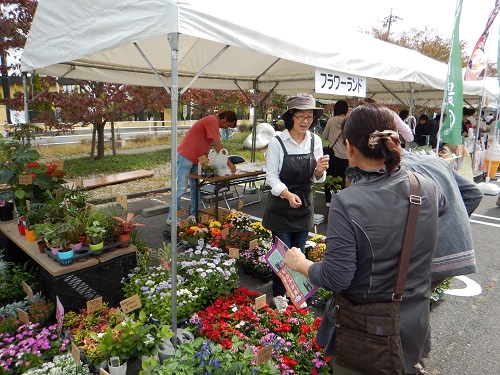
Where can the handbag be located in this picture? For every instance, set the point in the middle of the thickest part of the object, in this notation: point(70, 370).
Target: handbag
point(367, 335)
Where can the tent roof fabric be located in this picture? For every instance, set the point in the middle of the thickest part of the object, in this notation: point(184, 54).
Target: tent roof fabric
point(245, 46)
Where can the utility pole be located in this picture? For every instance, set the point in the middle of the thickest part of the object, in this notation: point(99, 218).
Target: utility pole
point(388, 22)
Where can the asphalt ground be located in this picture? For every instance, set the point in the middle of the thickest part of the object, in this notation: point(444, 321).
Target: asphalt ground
point(466, 321)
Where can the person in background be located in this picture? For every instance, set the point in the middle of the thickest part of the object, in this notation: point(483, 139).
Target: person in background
point(433, 129)
point(421, 130)
point(196, 143)
point(466, 122)
point(338, 157)
point(294, 160)
point(454, 253)
point(365, 233)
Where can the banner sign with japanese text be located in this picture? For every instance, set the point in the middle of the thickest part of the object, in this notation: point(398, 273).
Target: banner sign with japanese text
point(340, 84)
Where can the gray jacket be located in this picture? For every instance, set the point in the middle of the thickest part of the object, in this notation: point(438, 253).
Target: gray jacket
point(454, 253)
point(365, 233)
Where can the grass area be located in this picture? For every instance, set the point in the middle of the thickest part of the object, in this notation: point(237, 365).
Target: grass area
point(82, 166)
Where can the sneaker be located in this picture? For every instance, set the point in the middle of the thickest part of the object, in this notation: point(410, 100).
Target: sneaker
point(327, 204)
point(169, 222)
point(281, 303)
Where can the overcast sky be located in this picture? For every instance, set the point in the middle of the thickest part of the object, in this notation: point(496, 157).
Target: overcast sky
point(436, 14)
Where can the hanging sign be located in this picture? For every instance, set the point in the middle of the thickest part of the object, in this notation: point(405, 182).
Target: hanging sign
point(335, 83)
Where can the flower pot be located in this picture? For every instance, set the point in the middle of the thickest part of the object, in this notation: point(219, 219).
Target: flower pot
point(22, 229)
point(84, 239)
point(30, 235)
point(7, 212)
point(66, 256)
point(77, 246)
point(124, 237)
point(96, 247)
point(55, 250)
point(41, 246)
point(120, 370)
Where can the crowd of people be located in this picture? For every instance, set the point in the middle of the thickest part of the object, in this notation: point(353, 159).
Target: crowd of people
point(367, 217)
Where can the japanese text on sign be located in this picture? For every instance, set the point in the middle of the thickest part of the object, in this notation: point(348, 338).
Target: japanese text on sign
point(335, 83)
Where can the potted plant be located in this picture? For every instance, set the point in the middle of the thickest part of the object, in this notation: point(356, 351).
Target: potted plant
point(55, 235)
point(95, 231)
point(124, 227)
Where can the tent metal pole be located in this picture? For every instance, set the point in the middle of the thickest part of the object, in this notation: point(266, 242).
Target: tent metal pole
point(255, 114)
point(25, 99)
point(152, 67)
point(173, 40)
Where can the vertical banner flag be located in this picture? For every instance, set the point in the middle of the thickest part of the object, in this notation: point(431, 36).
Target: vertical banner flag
point(451, 130)
point(476, 66)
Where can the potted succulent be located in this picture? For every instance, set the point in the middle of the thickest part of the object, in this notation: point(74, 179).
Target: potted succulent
point(124, 227)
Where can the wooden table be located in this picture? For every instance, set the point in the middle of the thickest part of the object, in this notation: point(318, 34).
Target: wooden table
point(242, 172)
point(78, 282)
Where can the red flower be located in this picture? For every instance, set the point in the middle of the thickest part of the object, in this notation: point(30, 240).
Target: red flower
point(33, 164)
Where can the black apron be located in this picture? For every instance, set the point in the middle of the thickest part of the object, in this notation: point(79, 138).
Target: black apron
point(296, 173)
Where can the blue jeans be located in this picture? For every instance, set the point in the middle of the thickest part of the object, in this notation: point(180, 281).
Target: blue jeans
point(185, 167)
point(224, 133)
point(291, 239)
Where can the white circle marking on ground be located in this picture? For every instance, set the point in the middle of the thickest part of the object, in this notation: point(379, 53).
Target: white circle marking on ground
point(471, 288)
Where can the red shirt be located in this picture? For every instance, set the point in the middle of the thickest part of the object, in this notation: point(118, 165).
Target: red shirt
point(199, 138)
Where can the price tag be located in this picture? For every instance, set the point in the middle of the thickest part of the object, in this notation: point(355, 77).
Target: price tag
point(225, 232)
point(130, 304)
point(122, 201)
point(94, 305)
point(75, 353)
point(181, 212)
point(183, 224)
point(78, 184)
point(260, 302)
point(59, 163)
point(234, 253)
point(25, 179)
point(203, 159)
point(240, 205)
point(253, 244)
point(28, 204)
point(23, 316)
point(165, 264)
point(103, 372)
point(264, 354)
point(28, 291)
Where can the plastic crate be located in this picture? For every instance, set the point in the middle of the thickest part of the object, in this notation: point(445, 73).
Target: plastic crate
point(102, 280)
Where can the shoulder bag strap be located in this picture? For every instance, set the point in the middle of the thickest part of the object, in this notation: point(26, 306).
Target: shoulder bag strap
point(336, 140)
point(411, 223)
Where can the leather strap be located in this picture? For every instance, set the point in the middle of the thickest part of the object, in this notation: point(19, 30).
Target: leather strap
point(411, 224)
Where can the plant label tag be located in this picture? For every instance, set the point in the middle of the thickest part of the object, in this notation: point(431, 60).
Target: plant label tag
point(203, 160)
point(225, 232)
point(183, 224)
point(122, 201)
point(23, 316)
point(78, 184)
point(240, 205)
point(264, 354)
point(253, 244)
point(25, 179)
point(260, 302)
point(75, 352)
point(59, 163)
point(28, 204)
point(234, 253)
point(181, 212)
point(94, 305)
point(28, 291)
point(130, 304)
point(103, 372)
point(165, 264)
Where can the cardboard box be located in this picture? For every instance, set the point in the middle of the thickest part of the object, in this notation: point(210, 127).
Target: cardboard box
point(207, 214)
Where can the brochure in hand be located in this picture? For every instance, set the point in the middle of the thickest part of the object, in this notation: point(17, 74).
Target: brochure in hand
point(298, 286)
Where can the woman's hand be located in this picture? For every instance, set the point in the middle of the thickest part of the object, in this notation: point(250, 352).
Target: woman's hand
point(322, 165)
point(293, 258)
point(293, 199)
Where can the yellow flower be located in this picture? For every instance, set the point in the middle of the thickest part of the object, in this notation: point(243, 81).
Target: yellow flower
point(214, 224)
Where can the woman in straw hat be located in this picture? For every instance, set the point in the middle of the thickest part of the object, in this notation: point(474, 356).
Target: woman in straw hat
point(294, 160)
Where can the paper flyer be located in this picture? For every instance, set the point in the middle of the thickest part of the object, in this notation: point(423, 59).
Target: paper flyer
point(298, 286)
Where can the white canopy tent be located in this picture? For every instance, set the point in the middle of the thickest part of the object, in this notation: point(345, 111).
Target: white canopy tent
point(221, 44)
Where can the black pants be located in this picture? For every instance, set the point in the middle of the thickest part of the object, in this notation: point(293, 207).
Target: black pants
point(336, 168)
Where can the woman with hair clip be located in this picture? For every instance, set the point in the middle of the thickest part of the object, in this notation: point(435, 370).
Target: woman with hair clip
point(365, 232)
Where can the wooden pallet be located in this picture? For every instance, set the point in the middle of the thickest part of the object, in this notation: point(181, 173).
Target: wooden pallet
point(111, 179)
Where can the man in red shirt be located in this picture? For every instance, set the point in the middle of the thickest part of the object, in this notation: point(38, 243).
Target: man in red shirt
point(196, 143)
